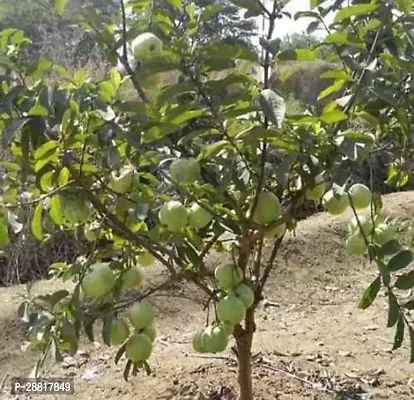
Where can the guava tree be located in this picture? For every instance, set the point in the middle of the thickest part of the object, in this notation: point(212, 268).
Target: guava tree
point(159, 188)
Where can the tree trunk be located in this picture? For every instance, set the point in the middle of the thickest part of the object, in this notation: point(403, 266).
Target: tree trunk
point(244, 346)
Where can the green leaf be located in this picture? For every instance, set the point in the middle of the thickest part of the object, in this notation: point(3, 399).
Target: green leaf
point(56, 210)
point(400, 261)
point(106, 329)
point(234, 52)
point(177, 4)
point(399, 333)
point(273, 106)
point(210, 151)
point(57, 296)
point(127, 369)
point(331, 117)
point(43, 150)
point(370, 294)
point(405, 282)
point(64, 175)
point(335, 87)
point(393, 310)
point(406, 6)
point(46, 181)
point(354, 11)
point(38, 111)
point(11, 129)
point(4, 232)
point(36, 225)
point(60, 7)
point(409, 305)
point(298, 55)
point(390, 248)
point(119, 354)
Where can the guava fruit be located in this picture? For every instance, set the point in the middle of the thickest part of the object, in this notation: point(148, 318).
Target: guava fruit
point(198, 217)
point(141, 314)
point(277, 232)
point(99, 281)
point(146, 46)
point(90, 234)
point(150, 331)
point(185, 170)
point(355, 245)
point(174, 215)
point(138, 348)
point(227, 327)
point(335, 204)
point(146, 259)
point(119, 331)
point(267, 209)
point(76, 210)
point(228, 276)
point(317, 191)
point(365, 225)
point(215, 339)
point(383, 234)
point(245, 294)
point(360, 195)
point(132, 278)
point(231, 309)
point(198, 342)
point(122, 181)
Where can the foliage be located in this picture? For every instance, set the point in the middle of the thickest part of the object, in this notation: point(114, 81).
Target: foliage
point(67, 139)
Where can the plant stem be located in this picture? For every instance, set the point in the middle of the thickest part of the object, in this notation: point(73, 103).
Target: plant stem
point(244, 339)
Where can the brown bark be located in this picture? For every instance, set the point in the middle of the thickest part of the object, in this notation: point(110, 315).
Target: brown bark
point(244, 339)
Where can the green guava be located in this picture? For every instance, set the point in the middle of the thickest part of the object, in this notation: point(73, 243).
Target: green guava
point(268, 208)
point(76, 210)
point(365, 225)
point(198, 342)
point(317, 191)
point(146, 46)
point(185, 170)
point(150, 331)
point(335, 204)
point(383, 234)
point(138, 348)
point(174, 215)
point(277, 232)
point(360, 195)
point(142, 314)
point(198, 217)
point(231, 309)
point(355, 245)
point(132, 278)
point(228, 276)
point(122, 181)
point(245, 294)
point(99, 281)
point(215, 339)
point(146, 259)
point(119, 331)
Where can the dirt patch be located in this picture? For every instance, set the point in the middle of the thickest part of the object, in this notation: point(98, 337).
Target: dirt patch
point(312, 341)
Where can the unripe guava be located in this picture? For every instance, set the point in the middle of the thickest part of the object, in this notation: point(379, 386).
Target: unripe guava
point(174, 215)
point(76, 210)
point(185, 170)
point(119, 331)
point(245, 294)
point(355, 245)
point(360, 195)
point(146, 259)
point(335, 204)
point(146, 46)
point(198, 217)
point(277, 232)
point(198, 342)
point(132, 278)
point(138, 348)
point(141, 314)
point(231, 309)
point(383, 234)
point(228, 276)
point(90, 234)
point(150, 331)
point(267, 209)
point(317, 191)
point(99, 281)
point(122, 181)
point(227, 327)
point(215, 339)
point(365, 225)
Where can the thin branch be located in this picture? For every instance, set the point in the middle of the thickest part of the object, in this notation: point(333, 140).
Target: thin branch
point(124, 58)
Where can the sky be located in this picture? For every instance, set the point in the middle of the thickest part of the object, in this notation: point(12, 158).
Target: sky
point(286, 25)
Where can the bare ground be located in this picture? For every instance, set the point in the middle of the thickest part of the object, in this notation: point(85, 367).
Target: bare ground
point(312, 341)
